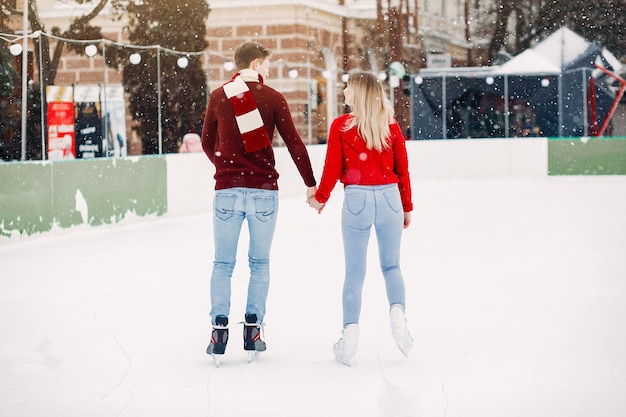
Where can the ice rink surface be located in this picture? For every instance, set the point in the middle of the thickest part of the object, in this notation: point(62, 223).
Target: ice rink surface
point(516, 299)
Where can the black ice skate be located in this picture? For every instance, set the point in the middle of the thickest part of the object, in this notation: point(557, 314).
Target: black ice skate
point(219, 339)
point(252, 341)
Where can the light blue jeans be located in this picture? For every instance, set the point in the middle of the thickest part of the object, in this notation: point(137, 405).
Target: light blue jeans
point(364, 206)
point(230, 208)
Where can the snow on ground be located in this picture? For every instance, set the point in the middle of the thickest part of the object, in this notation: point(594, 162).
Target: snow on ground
point(515, 292)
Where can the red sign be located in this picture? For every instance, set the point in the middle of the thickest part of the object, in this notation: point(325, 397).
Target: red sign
point(61, 141)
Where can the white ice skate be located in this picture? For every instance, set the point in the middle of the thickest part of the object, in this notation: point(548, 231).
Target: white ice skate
point(345, 348)
point(399, 329)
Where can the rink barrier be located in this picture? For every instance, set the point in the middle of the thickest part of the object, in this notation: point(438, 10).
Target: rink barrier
point(587, 156)
point(38, 197)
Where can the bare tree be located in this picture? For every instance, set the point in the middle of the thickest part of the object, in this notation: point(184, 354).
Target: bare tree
point(518, 24)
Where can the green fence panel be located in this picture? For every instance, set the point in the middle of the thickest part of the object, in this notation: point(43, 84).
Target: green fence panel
point(587, 156)
point(25, 198)
point(35, 197)
point(104, 191)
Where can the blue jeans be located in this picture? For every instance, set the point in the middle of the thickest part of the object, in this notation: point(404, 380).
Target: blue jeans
point(364, 206)
point(230, 208)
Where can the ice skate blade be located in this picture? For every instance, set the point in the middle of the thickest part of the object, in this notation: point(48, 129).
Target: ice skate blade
point(217, 359)
point(346, 362)
point(251, 355)
point(340, 354)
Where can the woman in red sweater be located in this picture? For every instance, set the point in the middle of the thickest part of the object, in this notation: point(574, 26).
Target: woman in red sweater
point(366, 152)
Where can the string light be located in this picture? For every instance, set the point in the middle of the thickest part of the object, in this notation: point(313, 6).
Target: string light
point(91, 50)
point(135, 58)
point(182, 62)
point(15, 49)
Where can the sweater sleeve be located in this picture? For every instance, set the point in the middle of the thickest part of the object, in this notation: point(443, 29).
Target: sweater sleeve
point(209, 130)
point(333, 165)
point(294, 143)
point(401, 167)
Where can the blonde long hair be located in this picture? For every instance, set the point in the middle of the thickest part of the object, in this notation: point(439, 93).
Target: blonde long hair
point(371, 110)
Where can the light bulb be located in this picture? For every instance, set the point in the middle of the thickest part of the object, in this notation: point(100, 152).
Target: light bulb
point(15, 49)
point(182, 62)
point(91, 50)
point(134, 58)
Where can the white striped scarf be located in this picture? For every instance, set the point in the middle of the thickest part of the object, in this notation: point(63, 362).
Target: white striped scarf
point(247, 114)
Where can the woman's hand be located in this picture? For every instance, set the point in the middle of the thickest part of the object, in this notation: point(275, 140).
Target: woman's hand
point(312, 202)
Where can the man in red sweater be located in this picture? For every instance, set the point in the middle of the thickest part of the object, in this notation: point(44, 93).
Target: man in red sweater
point(239, 125)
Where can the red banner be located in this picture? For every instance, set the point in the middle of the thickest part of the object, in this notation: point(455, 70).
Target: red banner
point(61, 140)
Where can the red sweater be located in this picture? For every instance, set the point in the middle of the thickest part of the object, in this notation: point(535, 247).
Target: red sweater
point(348, 160)
point(222, 142)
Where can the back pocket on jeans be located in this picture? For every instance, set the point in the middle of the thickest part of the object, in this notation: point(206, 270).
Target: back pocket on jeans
point(355, 202)
point(265, 207)
point(224, 205)
point(393, 200)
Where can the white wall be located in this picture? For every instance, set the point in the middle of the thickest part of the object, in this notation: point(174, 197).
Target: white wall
point(190, 176)
point(441, 159)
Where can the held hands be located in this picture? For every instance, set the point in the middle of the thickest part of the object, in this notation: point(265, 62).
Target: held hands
point(312, 202)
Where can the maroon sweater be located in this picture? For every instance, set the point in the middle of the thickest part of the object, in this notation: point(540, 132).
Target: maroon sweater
point(222, 142)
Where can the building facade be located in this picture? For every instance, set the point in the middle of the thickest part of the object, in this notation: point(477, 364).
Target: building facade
point(314, 44)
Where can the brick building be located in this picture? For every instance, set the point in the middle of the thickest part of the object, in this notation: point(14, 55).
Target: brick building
point(320, 39)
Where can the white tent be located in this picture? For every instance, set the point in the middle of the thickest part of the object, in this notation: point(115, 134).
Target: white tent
point(568, 50)
point(528, 62)
point(560, 108)
point(562, 50)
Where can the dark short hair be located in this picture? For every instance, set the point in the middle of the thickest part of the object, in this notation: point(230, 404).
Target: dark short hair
point(248, 52)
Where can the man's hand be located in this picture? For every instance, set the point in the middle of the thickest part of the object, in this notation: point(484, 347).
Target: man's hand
point(310, 192)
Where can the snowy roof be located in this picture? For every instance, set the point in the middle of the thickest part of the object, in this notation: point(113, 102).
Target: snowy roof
point(528, 62)
point(562, 47)
point(562, 50)
point(566, 49)
point(458, 71)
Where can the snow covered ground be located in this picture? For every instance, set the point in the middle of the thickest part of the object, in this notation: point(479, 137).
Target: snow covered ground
point(516, 292)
